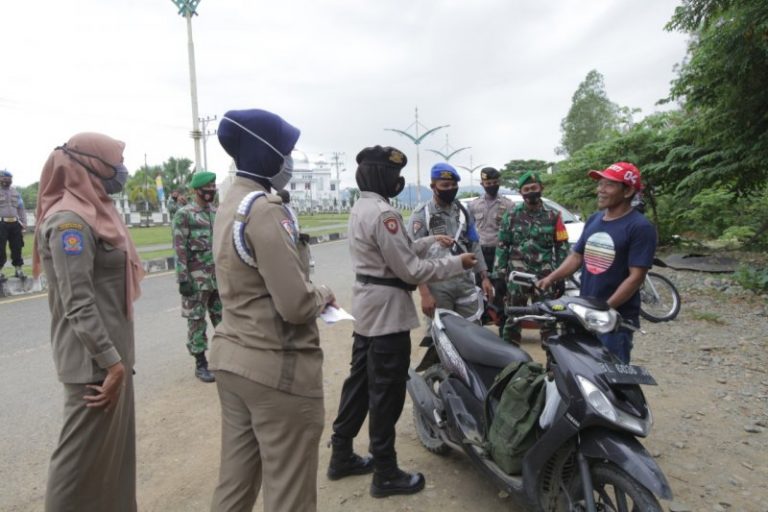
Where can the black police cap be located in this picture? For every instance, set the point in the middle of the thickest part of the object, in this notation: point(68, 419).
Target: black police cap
point(382, 155)
point(489, 173)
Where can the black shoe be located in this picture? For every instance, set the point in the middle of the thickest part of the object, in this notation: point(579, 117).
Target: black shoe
point(2, 278)
point(399, 483)
point(353, 464)
point(201, 369)
point(20, 273)
point(204, 375)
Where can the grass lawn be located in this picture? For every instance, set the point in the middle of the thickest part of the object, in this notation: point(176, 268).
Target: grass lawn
point(158, 235)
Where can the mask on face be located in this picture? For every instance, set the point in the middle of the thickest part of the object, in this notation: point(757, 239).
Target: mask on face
point(115, 184)
point(206, 195)
point(532, 198)
point(492, 190)
point(399, 185)
point(447, 196)
point(283, 176)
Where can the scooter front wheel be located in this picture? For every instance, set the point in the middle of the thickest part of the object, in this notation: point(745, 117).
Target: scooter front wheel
point(425, 429)
point(614, 489)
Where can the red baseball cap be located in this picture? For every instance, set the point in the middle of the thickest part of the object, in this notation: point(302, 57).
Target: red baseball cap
point(623, 172)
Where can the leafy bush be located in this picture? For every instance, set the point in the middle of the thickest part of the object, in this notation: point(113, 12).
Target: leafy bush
point(752, 278)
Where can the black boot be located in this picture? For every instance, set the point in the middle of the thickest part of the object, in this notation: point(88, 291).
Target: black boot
point(397, 482)
point(345, 462)
point(201, 368)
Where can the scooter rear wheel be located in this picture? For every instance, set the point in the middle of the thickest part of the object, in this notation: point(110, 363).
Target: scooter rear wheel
point(614, 489)
point(425, 428)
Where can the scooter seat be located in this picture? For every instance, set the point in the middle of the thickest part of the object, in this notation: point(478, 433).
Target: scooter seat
point(479, 345)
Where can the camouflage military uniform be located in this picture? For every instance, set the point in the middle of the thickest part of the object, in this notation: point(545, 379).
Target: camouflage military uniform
point(458, 293)
point(533, 241)
point(193, 241)
point(173, 206)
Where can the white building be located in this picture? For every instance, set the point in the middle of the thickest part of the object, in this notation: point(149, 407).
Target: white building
point(314, 186)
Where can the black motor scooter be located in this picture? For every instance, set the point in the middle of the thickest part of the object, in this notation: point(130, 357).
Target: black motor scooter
point(587, 456)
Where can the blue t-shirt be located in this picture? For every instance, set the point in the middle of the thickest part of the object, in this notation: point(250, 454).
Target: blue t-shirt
point(609, 249)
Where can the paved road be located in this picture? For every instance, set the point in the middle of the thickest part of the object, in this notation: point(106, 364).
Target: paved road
point(178, 417)
point(30, 417)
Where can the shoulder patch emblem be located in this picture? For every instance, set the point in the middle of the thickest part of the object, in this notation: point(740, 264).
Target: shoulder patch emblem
point(70, 225)
point(392, 225)
point(289, 227)
point(72, 242)
point(416, 226)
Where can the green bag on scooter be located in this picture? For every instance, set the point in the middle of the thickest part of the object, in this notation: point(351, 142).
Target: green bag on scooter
point(512, 409)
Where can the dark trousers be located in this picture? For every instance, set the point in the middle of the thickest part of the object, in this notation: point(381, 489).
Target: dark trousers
point(375, 386)
point(12, 234)
point(499, 286)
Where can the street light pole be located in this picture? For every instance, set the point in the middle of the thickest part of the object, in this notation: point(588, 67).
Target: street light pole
point(187, 8)
point(417, 141)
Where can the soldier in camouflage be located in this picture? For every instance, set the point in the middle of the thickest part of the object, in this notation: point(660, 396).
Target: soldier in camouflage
point(533, 239)
point(176, 201)
point(195, 272)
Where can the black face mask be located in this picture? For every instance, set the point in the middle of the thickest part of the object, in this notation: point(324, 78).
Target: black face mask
point(492, 191)
point(532, 198)
point(399, 186)
point(447, 196)
point(206, 195)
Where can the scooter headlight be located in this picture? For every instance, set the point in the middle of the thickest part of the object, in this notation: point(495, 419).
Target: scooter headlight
point(600, 403)
point(595, 320)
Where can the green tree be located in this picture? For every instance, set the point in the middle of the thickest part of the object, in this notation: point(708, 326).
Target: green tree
point(141, 189)
point(176, 173)
point(29, 195)
point(722, 86)
point(515, 168)
point(592, 116)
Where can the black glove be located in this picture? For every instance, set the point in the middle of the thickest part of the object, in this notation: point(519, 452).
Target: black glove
point(187, 289)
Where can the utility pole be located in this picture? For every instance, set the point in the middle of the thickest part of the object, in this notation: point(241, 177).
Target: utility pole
point(336, 160)
point(205, 133)
point(416, 139)
point(187, 8)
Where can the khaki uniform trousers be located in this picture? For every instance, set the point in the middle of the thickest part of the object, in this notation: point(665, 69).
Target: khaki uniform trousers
point(268, 437)
point(93, 469)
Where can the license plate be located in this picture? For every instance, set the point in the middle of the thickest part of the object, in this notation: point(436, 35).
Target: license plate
point(627, 374)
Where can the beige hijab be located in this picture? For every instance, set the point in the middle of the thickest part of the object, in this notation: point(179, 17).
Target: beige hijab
point(66, 185)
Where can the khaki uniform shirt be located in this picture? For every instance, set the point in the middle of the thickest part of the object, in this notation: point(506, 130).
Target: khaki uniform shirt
point(268, 332)
point(488, 213)
point(380, 247)
point(11, 205)
point(86, 295)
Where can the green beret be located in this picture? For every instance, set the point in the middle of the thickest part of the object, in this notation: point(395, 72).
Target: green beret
point(202, 178)
point(527, 176)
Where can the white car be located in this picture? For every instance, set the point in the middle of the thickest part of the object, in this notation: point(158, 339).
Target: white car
point(573, 223)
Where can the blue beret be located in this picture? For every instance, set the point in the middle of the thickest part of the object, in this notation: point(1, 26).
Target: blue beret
point(5, 173)
point(444, 171)
point(252, 153)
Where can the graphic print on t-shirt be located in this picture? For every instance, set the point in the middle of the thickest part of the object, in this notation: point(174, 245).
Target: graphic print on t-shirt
point(599, 252)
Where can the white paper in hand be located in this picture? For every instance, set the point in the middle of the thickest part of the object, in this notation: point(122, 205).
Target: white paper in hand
point(331, 315)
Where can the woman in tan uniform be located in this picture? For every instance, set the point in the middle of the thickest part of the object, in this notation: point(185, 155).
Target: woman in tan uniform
point(93, 274)
point(266, 351)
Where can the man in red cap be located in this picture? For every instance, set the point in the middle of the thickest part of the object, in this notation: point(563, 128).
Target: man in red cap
point(614, 252)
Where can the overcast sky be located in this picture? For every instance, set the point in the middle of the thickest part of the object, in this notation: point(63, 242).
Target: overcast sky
point(500, 72)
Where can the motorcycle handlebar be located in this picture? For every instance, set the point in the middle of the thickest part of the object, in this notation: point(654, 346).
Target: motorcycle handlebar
point(522, 310)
